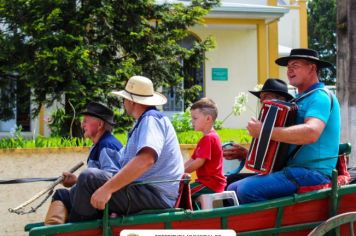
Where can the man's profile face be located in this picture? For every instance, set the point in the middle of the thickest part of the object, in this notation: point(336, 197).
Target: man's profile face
point(90, 126)
point(299, 70)
point(128, 106)
point(265, 96)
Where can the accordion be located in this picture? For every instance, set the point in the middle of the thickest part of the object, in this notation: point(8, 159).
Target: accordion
point(265, 155)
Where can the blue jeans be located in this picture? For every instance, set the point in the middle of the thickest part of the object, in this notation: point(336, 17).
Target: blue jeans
point(278, 184)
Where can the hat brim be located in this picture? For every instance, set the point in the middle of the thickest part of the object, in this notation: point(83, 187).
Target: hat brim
point(286, 95)
point(88, 113)
point(155, 100)
point(283, 61)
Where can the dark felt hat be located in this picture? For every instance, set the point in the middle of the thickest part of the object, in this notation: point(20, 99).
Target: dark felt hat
point(100, 111)
point(306, 54)
point(274, 85)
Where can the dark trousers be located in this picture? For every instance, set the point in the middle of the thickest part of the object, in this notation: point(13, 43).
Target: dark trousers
point(128, 200)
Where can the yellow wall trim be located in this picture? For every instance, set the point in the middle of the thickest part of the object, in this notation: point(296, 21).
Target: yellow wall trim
point(272, 2)
point(41, 121)
point(303, 18)
point(188, 147)
point(273, 69)
point(262, 57)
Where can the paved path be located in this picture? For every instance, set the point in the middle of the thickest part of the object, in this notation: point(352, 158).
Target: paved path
point(15, 165)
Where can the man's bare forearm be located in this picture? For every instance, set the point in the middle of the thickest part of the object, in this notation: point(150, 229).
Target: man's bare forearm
point(306, 133)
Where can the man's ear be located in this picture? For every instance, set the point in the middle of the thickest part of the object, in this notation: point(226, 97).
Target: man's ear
point(315, 67)
point(101, 124)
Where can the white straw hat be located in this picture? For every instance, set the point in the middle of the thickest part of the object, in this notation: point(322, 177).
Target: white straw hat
point(139, 89)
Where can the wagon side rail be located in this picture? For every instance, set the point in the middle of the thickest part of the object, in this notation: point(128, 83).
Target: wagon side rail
point(168, 220)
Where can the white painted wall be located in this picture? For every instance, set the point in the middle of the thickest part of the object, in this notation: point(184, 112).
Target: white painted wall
point(237, 51)
point(288, 29)
point(288, 35)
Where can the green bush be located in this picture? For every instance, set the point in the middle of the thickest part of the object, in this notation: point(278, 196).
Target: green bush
point(44, 142)
point(226, 135)
point(182, 122)
point(236, 135)
point(122, 137)
point(56, 122)
point(189, 137)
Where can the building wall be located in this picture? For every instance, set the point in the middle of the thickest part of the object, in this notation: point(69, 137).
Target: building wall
point(289, 28)
point(235, 50)
point(289, 35)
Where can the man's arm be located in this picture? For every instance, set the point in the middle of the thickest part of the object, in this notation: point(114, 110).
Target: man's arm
point(235, 152)
point(193, 165)
point(134, 169)
point(306, 133)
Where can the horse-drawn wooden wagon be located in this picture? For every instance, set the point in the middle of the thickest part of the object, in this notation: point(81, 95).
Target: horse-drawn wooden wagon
point(293, 215)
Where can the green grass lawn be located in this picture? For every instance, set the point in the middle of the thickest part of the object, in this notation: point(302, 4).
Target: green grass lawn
point(188, 137)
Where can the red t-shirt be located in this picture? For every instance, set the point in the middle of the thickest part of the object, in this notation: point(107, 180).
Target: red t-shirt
point(211, 173)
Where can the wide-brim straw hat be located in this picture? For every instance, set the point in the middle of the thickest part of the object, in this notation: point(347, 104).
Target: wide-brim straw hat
point(306, 54)
point(276, 86)
point(139, 89)
point(100, 111)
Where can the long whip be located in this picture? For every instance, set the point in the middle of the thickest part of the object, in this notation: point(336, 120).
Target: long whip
point(50, 188)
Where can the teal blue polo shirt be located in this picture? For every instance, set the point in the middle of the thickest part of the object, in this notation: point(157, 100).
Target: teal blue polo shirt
point(321, 155)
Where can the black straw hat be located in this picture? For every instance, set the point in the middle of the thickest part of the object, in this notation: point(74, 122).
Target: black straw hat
point(99, 111)
point(306, 54)
point(276, 86)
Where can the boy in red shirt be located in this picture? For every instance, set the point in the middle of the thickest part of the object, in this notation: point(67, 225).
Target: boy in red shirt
point(207, 159)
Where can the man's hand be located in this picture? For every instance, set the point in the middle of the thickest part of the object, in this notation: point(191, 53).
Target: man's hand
point(69, 179)
point(100, 197)
point(235, 152)
point(254, 127)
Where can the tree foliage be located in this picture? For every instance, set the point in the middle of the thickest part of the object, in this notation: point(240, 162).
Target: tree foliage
point(322, 33)
point(75, 51)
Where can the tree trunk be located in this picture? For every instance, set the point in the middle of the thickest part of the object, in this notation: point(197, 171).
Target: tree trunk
point(71, 124)
point(346, 71)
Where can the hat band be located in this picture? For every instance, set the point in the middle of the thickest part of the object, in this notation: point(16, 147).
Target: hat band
point(311, 57)
point(140, 95)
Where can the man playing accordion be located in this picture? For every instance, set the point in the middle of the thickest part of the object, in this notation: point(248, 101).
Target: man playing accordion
point(314, 138)
point(272, 89)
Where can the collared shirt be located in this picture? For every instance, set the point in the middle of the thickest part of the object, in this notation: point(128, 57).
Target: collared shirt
point(104, 154)
point(154, 130)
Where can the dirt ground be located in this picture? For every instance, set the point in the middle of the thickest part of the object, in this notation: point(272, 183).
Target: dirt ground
point(35, 163)
point(25, 165)
point(42, 163)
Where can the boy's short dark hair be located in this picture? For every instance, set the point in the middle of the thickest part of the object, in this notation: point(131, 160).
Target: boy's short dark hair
point(207, 107)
